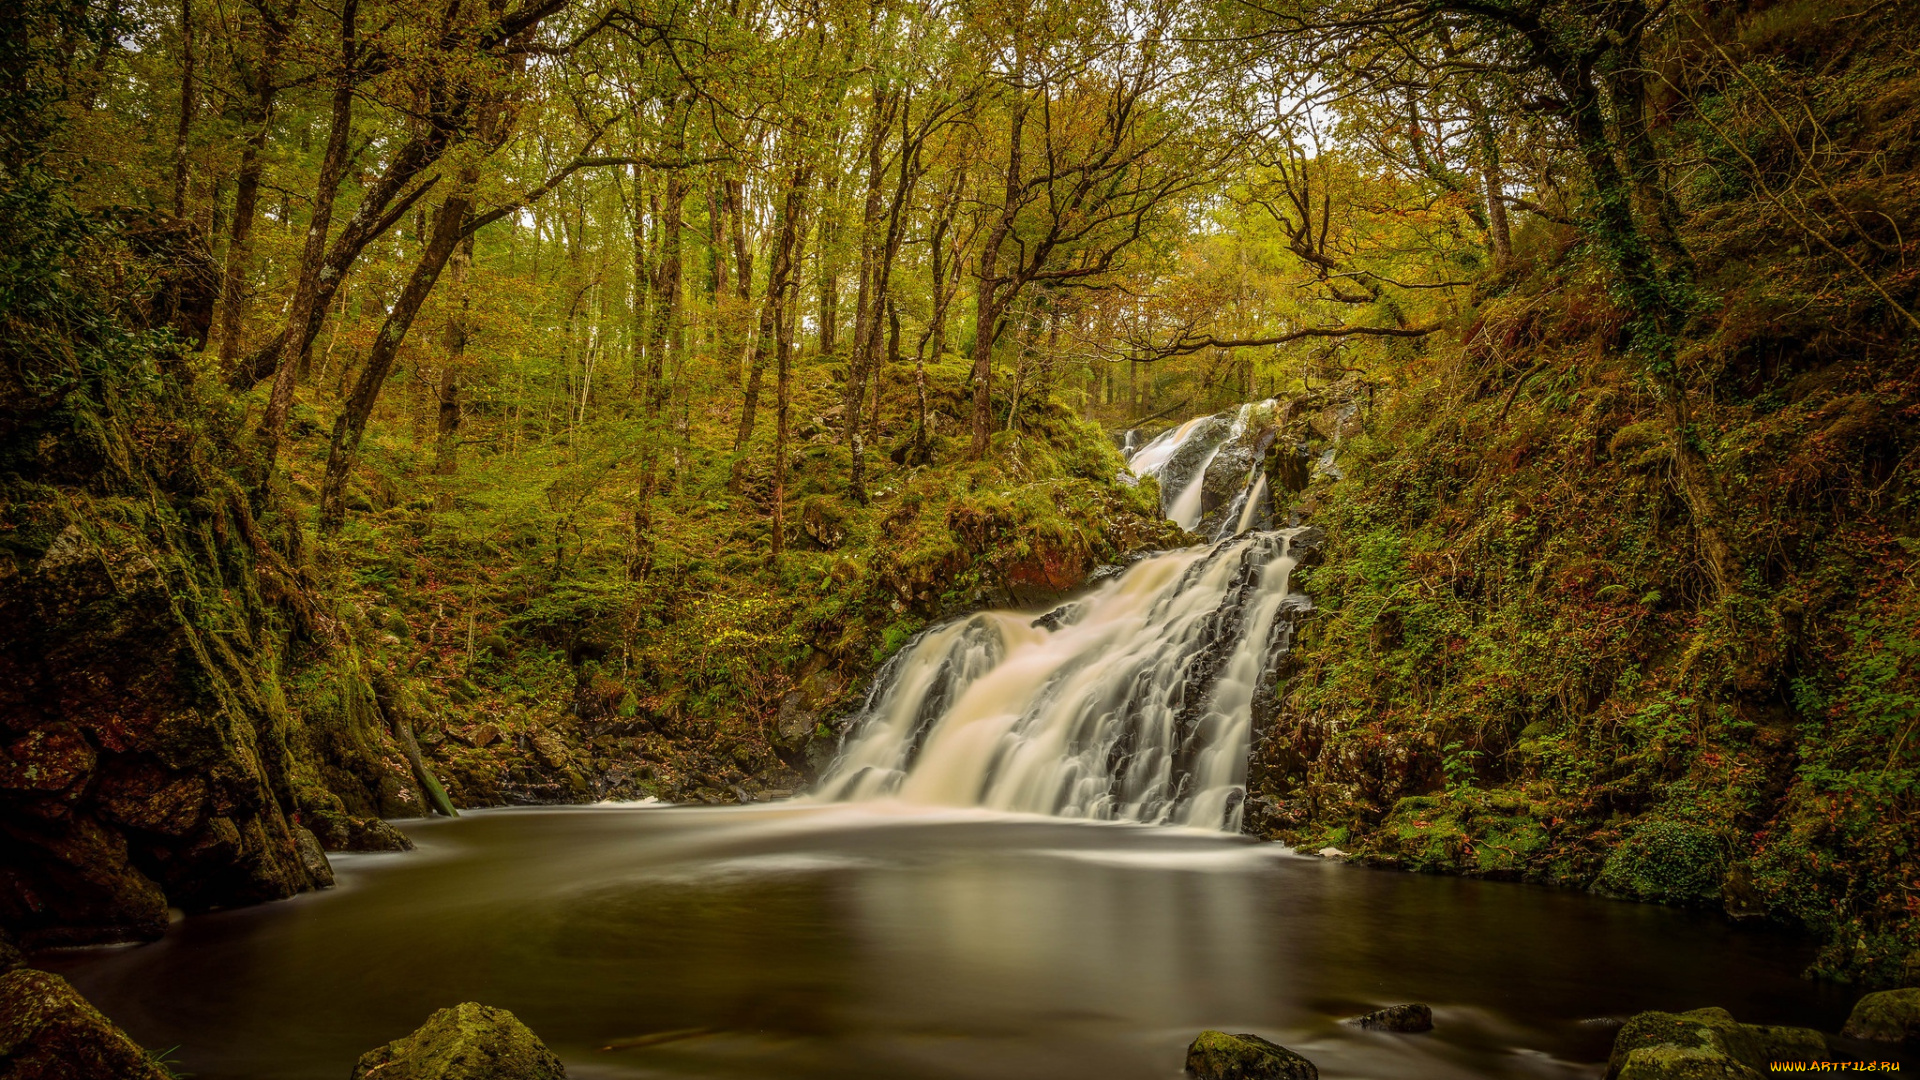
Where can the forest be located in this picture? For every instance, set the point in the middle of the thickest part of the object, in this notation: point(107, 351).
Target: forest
point(414, 408)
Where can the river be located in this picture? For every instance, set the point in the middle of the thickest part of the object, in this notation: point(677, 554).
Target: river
point(886, 940)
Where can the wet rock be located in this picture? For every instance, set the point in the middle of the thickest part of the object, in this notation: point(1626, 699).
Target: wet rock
point(49, 1032)
point(470, 1041)
point(1064, 615)
point(1706, 1044)
point(312, 858)
point(1289, 465)
point(803, 709)
point(1409, 1019)
point(1888, 1016)
point(372, 834)
point(87, 892)
point(1216, 1055)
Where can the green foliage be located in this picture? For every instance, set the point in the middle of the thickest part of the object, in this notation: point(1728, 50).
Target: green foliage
point(1672, 862)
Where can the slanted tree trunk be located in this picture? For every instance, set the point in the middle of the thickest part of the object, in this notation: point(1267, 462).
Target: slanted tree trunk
point(351, 425)
point(312, 288)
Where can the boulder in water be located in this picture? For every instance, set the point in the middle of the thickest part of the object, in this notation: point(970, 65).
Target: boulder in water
point(1409, 1019)
point(1216, 1055)
point(470, 1041)
point(1888, 1016)
point(49, 1032)
point(1706, 1044)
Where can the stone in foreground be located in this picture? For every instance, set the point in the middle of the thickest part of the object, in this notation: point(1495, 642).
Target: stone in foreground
point(49, 1032)
point(1706, 1044)
point(1409, 1019)
point(1216, 1055)
point(467, 1042)
point(1888, 1016)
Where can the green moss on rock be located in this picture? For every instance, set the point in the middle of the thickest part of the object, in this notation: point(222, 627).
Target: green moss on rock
point(1888, 1016)
point(1216, 1055)
point(1669, 861)
point(469, 1041)
point(1705, 1044)
point(49, 1032)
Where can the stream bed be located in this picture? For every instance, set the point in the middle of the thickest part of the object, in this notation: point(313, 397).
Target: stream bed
point(876, 940)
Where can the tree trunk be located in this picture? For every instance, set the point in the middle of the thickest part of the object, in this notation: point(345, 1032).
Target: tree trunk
point(828, 261)
point(868, 299)
point(446, 459)
point(246, 190)
point(780, 273)
point(1046, 358)
point(735, 207)
point(352, 422)
point(664, 326)
point(1654, 205)
point(376, 214)
point(1499, 232)
point(187, 60)
point(995, 290)
point(642, 289)
point(308, 303)
point(1656, 320)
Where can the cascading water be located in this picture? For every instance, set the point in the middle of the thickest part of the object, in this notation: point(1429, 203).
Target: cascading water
point(1183, 459)
point(1133, 703)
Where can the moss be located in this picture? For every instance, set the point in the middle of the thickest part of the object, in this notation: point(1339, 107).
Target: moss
point(1216, 1055)
point(49, 1030)
point(1886, 1016)
point(1666, 861)
point(469, 1041)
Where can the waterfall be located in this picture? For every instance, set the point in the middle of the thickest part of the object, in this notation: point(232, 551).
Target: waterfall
point(1132, 703)
point(1184, 461)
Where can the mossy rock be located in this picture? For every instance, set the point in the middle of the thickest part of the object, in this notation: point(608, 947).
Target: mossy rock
point(1671, 862)
point(1216, 1055)
point(49, 1032)
point(1491, 834)
point(469, 1041)
point(1705, 1044)
point(1888, 1016)
point(495, 646)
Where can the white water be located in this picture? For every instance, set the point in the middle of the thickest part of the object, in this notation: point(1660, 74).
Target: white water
point(1182, 494)
point(1133, 703)
point(1151, 458)
point(1185, 510)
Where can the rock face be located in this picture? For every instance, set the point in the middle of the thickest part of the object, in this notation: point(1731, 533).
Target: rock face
point(1888, 1016)
point(145, 759)
point(1403, 1018)
point(49, 1032)
point(1706, 1044)
point(1216, 1055)
point(467, 1042)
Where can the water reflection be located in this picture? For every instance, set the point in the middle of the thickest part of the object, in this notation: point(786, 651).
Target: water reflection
point(873, 941)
